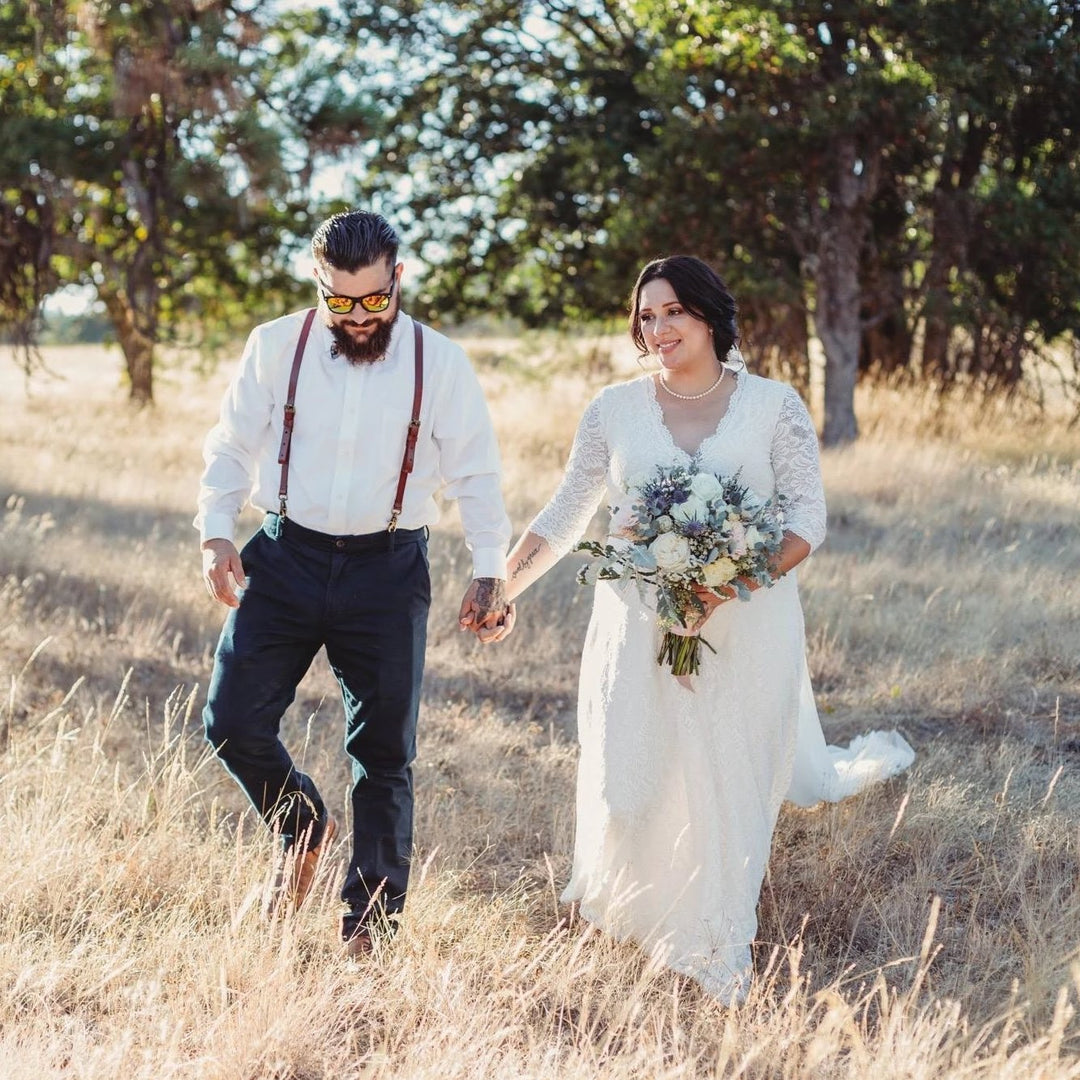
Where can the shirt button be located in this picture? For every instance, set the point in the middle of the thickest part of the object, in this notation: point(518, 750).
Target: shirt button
point(339, 543)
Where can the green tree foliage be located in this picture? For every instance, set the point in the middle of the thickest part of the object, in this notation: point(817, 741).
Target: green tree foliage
point(805, 107)
point(867, 165)
point(162, 153)
point(1001, 216)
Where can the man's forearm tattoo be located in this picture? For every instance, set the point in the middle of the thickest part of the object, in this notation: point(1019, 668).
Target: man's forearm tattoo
point(526, 561)
point(491, 594)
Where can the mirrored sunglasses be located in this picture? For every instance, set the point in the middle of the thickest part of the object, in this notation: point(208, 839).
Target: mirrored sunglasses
point(373, 303)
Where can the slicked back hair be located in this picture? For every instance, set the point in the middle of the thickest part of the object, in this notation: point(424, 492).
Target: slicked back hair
point(700, 290)
point(353, 240)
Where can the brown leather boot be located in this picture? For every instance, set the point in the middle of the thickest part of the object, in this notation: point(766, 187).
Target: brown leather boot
point(296, 874)
point(306, 862)
point(360, 945)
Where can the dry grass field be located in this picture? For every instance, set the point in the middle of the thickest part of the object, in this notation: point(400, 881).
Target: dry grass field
point(927, 929)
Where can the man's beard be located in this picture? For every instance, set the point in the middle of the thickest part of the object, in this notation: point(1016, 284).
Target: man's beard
point(366, 350)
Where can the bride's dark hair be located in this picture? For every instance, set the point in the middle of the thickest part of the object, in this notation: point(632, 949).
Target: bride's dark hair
point(700, 290)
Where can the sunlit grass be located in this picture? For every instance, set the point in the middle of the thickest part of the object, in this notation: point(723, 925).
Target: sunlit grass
point(928, 928)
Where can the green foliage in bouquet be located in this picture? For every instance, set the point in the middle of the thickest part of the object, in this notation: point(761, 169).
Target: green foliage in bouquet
point(679, 529)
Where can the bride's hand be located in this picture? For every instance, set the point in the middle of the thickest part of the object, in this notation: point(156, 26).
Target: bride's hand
point(710, 599)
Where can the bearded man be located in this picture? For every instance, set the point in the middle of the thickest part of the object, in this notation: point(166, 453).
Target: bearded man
point(342, 424)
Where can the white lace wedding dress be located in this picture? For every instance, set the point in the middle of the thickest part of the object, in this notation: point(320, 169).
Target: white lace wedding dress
point(678, 791)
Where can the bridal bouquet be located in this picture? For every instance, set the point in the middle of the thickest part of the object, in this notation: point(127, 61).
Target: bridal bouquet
point(678, 529)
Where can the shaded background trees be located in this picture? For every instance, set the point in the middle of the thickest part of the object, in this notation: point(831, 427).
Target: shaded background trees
point(162, 154)
point(904, 175)
point(898, 181)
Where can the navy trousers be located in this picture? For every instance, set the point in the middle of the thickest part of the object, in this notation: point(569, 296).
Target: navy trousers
point(366, 600)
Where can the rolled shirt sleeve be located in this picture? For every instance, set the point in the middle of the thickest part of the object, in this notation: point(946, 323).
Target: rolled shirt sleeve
point(470, 469)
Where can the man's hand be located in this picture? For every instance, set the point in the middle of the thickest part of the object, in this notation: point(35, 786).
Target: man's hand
point(221, 561)
point(485, 611)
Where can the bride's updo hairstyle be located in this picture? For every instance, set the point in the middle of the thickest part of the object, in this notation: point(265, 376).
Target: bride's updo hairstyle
point(700, 290)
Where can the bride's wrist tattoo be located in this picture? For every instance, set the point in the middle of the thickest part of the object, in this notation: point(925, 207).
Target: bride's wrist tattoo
point(525, 562)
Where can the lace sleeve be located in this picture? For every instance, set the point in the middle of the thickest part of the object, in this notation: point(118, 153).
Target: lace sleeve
point(567, 515)
point(797, 469)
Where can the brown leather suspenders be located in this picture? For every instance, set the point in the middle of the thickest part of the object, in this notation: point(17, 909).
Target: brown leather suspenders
point(290, 415)
point(414, 423)
point(410, 438)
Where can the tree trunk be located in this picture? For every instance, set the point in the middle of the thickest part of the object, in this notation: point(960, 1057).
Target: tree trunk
point(952, 227)
point(139, 356)
point(945, 259)
point(886, 346)
point(839, 326)
point(842, 227)
point(887, 337)
point(137, 347)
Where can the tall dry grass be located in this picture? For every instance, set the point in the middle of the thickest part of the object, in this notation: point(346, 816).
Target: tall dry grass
point(928, 928)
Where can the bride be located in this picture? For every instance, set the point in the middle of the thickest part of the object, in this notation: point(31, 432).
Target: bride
point(679, 787)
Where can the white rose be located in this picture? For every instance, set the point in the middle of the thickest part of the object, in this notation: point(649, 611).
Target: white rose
point(706, 486)
point(664, 524)
point(753, 536)
point(671, 551)
point(692, 508)
point(720, 572)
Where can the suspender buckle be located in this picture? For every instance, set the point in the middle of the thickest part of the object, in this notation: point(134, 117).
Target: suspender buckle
point(410, 445)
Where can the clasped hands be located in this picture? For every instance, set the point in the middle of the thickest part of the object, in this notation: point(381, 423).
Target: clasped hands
point(486, 612)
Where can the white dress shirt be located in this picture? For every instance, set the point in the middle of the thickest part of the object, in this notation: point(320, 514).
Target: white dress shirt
point(349, 437)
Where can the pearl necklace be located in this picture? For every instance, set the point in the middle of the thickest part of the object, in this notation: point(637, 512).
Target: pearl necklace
point(694, 397)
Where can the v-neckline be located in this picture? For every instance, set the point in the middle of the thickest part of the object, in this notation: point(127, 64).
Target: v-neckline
point(658, 414)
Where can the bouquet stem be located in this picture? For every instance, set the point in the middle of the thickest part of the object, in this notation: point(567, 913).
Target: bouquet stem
point(682, 652)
